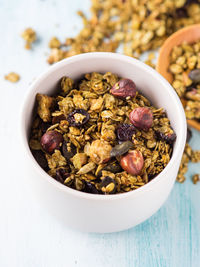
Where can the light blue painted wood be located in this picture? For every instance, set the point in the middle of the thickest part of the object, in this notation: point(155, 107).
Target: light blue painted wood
point(28, 235)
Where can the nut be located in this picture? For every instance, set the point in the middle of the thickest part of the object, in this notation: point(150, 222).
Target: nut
point(142, 118)
point(124, 88)
point(100, 151)
point(51, 140)
point(132, 162)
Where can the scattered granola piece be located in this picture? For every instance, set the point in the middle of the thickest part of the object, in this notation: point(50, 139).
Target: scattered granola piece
point(12, 77)
point(54, 43)
point(137, 26)
point(29, 35)
point(195, 178)
point(45, 103)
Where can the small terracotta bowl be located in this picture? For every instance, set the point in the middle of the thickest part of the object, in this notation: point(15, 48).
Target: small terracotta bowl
point(189, 34)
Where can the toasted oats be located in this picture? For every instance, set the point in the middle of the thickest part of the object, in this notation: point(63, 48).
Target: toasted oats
point(189, 155)
point(12, 77)
point(56, 160)
point(184, 60)
point(79, 160)
point(138, 26)
point(29, 35)
point(54, 43)
point(45, 103)
point(195, 178)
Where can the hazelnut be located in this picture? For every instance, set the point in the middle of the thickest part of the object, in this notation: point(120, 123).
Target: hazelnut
point(124, 88)
point(132, 162)
point(100, 151)
point(50, 141)
point(141, 118)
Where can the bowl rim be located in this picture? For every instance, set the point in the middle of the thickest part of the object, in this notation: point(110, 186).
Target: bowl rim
point(75, 193)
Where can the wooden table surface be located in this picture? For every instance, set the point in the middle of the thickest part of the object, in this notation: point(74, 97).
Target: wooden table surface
point(29, 236)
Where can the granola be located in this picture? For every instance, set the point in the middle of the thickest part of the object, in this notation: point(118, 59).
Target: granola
point(12, 77)
point(136, 25)
point(29, 35)
point(196, 178)
point(101, 135)
point(189, 155)
point(185, 68)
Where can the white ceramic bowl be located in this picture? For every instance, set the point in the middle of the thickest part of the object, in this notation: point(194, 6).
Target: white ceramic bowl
point(105, 213)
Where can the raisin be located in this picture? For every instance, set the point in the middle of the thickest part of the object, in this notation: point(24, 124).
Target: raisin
point(108, 185)
point(169, 138)
point(125, 132)
point(61, 175)
point(90, 188)
point(41, 159)
point(68, 154)
point(78, 117)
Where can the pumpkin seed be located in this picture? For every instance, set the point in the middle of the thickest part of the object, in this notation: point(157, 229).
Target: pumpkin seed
point(194, 75)
point(121, 149)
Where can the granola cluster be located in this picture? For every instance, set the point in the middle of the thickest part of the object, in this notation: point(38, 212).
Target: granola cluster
point(100, 135)
point(12, 77)
point(137, 25)
point(189, 155)
point(29, 35)
point(185, 67)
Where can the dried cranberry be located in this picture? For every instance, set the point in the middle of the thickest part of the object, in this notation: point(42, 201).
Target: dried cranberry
point(57, 119)
point(125, 132)
point(44, 126)
point(169, 138)
point(68, 154)
point(78, 117)
point(61, 175)
point(51, 140)
point(124, 88)
point(41, 159)
point(90, 188)
point(190, 88)
point(108, 185)
point(181, 13)
point(141, 118)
